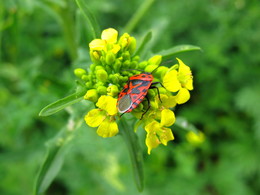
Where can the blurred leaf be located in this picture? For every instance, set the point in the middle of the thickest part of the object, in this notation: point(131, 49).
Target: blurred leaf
point(183, 124)
point(138, 15)
point(144, 43)
point(135, 152)
point(177, 49)
point(93, 24)
point(62, 103)
point(56, 152)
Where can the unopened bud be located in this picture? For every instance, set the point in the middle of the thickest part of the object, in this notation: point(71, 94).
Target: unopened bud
point(95, 56)
point(150, 68)
point(112, 90)
point(79, 72)
point(156, 60)
point(102, 75)
point(142, 64)
point(110, 58)
point(132, 45)
point(161, 71)
point(91, 95)
point(102, 90)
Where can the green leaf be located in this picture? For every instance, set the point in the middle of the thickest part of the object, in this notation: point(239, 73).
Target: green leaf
point(135, 152)
point(177, 49)
point(144, 42)
point(182, 124)
point(91, 19)
point(138, 15)
point(62, 103)
point(56, 151)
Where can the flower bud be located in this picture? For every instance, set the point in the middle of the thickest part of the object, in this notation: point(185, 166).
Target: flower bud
point(79, 72)
point(123, 41)
point(88, 85)
point(126, 64)
point(161, 71)
point(92, 67)
point(117, 65)
point(91, 95)
point(95, 56)
point(112, 90)
point(132, 45)
point(102, 75)
point(102, 90)
point(133, 64)
point(136, 58)
point(150, 68)
point(85, 77)
point(142, 64)
point(110, 58)
point(156, 60)
point(126, 55)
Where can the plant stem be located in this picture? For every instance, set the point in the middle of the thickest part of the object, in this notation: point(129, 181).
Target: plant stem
point(138, 16)
point(135, 152)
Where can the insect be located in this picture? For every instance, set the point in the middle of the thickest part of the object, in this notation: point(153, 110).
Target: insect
point(135, 91)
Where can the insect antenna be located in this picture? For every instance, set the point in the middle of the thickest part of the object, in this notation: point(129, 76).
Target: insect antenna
point(166, 62)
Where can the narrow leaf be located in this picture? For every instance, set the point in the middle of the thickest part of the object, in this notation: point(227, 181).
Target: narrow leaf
point(138, 15)
point(91, 19)
point(177, 49)
point(62, 103)
point(56, 151)
point(183, 124)
point(135, 151)
point(144, 42)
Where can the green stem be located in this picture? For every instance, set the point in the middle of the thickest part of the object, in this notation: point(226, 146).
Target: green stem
point(138, 16)
point(135, 152)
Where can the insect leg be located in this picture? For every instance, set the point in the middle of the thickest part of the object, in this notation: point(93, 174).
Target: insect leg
point(154, 83)
point(149, 105)
point(154, 87)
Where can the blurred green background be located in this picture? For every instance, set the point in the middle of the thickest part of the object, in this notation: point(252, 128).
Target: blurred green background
point(42, 41)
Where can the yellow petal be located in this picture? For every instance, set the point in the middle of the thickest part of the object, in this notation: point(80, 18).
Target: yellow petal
point(166, 136)
point(108, 104)
point(167, 118)
point(97, 44)
point(168, 101)
point(171, 82)
point(189, 84)
point(107, 128)
point(95, 117)
point(116, 48)
point(110, 35)
point(152, 140)
point(182, 96)
point(183, 68)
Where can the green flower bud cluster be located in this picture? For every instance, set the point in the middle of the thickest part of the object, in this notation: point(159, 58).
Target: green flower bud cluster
point(113, 64)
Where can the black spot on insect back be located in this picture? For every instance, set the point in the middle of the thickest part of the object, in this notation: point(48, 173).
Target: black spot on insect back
point(135, 91)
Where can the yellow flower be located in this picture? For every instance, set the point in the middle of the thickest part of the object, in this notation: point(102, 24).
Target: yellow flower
point(107, 42)
point(167, 116)
point(104, 117)
point(156, 134)
point(180, 81)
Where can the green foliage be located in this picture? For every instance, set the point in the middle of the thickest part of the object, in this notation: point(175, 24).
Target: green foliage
point(42, 41)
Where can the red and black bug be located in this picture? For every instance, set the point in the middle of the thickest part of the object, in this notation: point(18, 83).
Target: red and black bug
point(135, 91)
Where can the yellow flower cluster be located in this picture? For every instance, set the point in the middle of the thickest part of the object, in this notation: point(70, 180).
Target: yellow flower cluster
point(107, 75)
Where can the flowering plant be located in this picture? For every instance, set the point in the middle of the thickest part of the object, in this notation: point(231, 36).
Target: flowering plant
point(114, 61)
